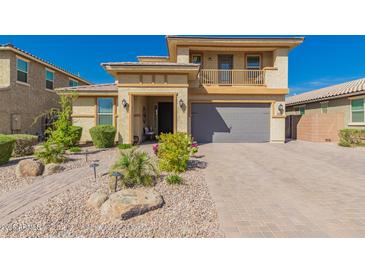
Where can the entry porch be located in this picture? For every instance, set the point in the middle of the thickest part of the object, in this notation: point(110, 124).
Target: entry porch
point(151, 113)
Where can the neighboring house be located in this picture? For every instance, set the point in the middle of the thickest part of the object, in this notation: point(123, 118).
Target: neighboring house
point(318, 115)
point(27, 86)
point(217, 89)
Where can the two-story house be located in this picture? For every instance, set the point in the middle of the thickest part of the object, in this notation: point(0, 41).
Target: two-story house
point(217, 89)
point(27, 89)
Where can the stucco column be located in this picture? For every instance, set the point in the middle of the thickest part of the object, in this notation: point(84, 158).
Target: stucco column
point(182, 112)
point(183, 55)
point(123, 116)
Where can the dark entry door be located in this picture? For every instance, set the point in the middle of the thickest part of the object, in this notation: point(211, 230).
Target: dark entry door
point(165, 117)
point(225, 66)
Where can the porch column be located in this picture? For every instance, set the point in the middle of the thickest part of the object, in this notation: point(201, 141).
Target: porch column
point(182, 111)
point(124, 116)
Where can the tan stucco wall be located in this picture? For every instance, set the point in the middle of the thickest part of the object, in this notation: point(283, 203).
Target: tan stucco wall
point(278, 77)
point(183, 55)
point(4, 69)
point(341, 105)
point(210, 59)
point(84, 115)
point(27, 101)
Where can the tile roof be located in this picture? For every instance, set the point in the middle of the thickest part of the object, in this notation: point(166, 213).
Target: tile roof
point(28, 54)
point(340, 90)
point(98, 87)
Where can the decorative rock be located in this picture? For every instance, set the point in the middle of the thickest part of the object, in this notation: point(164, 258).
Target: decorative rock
point(128, 203)
point(53, 168)
point(97, 199)
point(29, 167)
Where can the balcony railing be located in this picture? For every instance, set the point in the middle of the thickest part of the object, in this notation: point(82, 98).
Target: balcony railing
point(232, 77)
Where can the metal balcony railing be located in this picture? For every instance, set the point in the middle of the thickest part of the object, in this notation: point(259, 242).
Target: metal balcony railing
point(232, 77)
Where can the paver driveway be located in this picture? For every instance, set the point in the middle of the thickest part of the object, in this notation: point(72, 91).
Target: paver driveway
point(298, 189)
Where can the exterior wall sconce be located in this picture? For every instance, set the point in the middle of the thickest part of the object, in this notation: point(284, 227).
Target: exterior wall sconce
point(281, 108)
point(181, 103)
point(124, 103)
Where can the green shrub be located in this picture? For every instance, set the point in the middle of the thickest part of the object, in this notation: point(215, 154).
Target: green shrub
point(24, 144)
point(124, 146)
point(174, 179)
point(103, 135)
point(62, 130)
point(174, 151)
point(6, 148)
point(76, 133)
point(51, 153)
point(351, 137)
point(137, 168)
point(74, 149)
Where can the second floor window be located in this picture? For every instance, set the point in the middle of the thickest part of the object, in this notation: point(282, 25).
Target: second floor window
point(357, 111)
point(73, 83)
point(196, 59)
point(49, 79)
point(253, 61)
point(22, 70)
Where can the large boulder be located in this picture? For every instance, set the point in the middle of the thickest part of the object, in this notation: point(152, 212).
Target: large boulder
point(53, 168)
point(128, 203)
point(29, 167)
point(97, 199)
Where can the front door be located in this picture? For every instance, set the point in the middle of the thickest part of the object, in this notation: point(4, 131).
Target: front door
point(165, 117)
point(225, 66)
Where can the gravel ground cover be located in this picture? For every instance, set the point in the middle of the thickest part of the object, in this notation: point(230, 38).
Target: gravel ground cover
point(188, 212)
point(9, 181)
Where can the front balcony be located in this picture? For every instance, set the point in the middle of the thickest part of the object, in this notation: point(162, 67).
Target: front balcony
point(232, 77)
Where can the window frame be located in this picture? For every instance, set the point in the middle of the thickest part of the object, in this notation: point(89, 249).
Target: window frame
point(45, 78)
point(324, 103)
point(26, 72)
point(73, 80)
point(253, 55)
point(297, 109)
point(112, 111)
point(197, 54)
point(363, 110)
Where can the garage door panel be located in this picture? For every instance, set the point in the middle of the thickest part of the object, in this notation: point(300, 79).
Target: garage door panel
point(231, 123)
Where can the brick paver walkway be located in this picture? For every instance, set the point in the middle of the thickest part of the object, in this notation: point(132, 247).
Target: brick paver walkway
point(15, 203)
point(298, 189)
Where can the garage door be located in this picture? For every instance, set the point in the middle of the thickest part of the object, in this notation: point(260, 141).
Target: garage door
point(230, 123)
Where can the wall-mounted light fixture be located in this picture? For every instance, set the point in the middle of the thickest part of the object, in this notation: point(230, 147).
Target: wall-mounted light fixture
point(124, 103)
point(181, 103)
point(281, 108)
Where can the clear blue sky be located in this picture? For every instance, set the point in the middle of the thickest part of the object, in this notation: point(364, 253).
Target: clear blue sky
point(320, 61)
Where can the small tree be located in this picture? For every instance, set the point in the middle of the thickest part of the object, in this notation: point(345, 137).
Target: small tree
point(61, 135)
point(62, 131)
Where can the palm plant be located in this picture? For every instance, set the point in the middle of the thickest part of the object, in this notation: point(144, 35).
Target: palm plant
point(137, 168)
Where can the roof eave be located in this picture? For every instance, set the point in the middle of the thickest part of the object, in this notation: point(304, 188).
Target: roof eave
point(114, 69)
point(43, 62)
point(325, 98)
point(174, 41)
